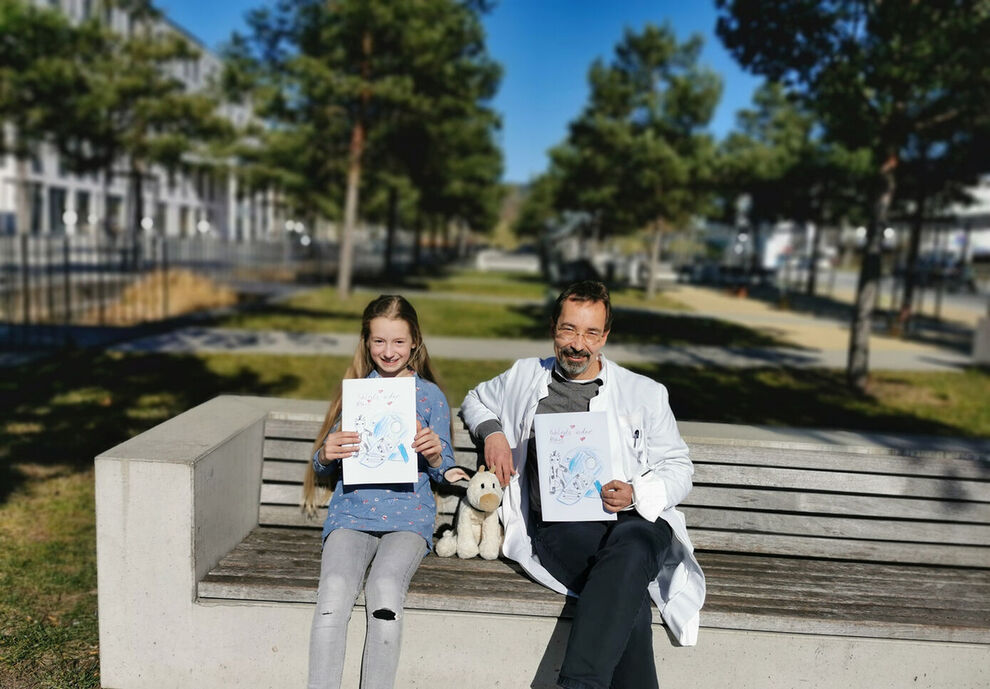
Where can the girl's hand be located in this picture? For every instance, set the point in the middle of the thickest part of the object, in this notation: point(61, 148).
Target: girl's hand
point(338, 446)
point(427, 443)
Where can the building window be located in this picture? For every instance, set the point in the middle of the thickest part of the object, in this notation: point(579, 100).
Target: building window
point(115, 206)
point(160, 218)
point(37, 208)
point(83, 211)
point(56, 209)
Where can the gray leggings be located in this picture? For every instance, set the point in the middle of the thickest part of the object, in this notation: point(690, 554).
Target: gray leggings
point(346, 555)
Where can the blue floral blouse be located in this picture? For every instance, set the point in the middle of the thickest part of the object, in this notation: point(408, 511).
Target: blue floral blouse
point(398, 507)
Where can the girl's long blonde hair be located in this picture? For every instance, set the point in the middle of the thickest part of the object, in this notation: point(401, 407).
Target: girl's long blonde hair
point(390, 306)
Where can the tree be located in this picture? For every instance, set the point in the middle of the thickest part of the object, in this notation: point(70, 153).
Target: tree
point(538, 207)
point(877, 73)
point(933, 175)
point(341, 79)
point(40, 67)
point(637, 156)
point(779, 158)
point(133, 107)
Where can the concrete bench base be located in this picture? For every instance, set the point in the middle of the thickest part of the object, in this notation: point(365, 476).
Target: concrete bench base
point(265, 646)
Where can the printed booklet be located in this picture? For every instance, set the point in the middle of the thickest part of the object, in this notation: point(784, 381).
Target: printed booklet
point(573, 454)
point(383, 412)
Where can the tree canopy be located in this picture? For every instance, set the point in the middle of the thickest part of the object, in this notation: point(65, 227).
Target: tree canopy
point(877, 74)
point(366, 91)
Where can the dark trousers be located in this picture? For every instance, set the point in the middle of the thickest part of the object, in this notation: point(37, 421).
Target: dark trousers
point(610, 565)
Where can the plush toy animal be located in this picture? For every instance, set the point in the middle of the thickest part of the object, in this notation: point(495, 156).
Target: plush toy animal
point(476, 529)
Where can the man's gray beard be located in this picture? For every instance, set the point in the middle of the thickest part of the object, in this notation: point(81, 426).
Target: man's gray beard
point(573, 369)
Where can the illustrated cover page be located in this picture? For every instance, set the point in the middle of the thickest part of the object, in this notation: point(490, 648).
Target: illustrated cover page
point(383, 412)
point(573, 454)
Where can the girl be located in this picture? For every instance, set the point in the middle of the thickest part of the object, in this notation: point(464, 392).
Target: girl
point(388, 526)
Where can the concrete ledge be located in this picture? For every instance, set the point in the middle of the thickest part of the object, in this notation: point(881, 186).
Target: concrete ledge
point(266, 647)
point(169, 504)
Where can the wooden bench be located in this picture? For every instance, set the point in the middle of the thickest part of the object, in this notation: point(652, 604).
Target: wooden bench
point(833, 559)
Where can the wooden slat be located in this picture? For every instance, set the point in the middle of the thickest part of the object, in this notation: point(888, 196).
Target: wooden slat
point(288, 449)
point(301, 429)
point(842, 549)
point(946, 467)
point(843, 482)
point(837, 527)
point(289, 515)
point(283, 471)
point(770, 499)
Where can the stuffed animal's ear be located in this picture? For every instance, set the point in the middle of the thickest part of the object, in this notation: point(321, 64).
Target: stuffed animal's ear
point(457, 474)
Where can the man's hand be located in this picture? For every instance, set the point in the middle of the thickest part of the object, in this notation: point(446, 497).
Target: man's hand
point(617, 495)
point(498, 457)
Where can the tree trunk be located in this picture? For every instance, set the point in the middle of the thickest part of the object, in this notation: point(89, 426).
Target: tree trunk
point(911, 267)
point(107, 225)
point(137, 214)
point(346, 260)
point(445, 234)
point(417, 255)
point(858, 367)
point(393, 221)
point(651, 280)
point(816, 250)
point(137, 200)
point(25, 206)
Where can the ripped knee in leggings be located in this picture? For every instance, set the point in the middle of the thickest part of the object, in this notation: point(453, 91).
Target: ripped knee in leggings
point(383, 614)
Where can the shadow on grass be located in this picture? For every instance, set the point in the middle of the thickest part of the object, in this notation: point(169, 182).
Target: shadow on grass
point(797, 398)
point(67, 409)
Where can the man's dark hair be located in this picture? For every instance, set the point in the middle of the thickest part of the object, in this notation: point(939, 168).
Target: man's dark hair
point(586, 290)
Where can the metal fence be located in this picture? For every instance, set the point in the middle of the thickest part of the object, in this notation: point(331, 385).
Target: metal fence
point(60, 290)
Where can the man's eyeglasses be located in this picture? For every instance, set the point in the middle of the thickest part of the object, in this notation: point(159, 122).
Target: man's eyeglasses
point(566, 334)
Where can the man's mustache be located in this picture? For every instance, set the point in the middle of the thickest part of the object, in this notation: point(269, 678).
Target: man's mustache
point(570, 351)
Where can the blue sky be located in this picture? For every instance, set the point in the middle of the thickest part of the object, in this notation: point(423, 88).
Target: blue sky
point(545, 48)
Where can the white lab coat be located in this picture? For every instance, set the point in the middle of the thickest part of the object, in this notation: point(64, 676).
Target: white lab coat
point(643, 435)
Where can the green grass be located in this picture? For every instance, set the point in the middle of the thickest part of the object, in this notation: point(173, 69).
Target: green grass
point(64, 411)
point(48, 630)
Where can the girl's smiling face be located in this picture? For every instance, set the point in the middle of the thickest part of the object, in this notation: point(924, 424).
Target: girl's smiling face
point(390, 345)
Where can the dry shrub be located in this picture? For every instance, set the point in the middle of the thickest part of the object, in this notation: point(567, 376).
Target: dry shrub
point(145, 299)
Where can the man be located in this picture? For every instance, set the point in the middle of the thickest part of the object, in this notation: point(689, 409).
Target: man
point(614, 566)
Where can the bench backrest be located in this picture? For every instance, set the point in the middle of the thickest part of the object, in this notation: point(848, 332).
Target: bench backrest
point(813, 498)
